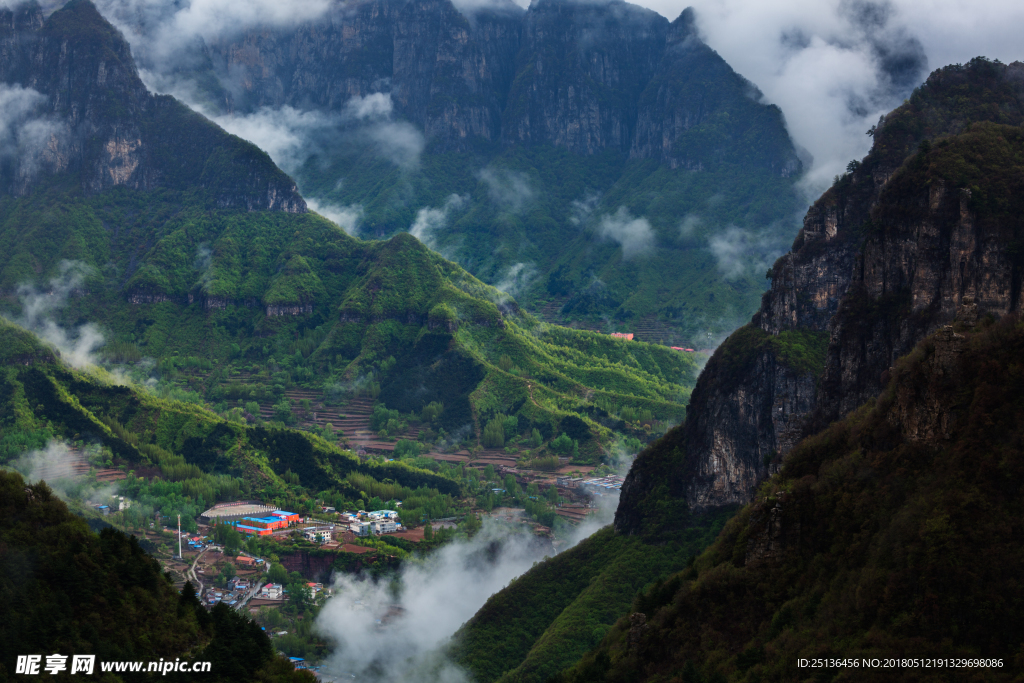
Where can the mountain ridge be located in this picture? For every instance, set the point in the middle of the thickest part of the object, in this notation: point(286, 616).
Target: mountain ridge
point(879, 263)
point(90, 115)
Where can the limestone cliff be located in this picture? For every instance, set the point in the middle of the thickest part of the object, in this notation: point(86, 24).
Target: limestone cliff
point(923, 232)
point(583, 76)
point(79, 108)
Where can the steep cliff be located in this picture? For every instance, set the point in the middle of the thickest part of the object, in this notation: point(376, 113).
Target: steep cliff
point(79, 110)
point(525, 144)
point(583, 76)
point(922, 230)
point(896, 530)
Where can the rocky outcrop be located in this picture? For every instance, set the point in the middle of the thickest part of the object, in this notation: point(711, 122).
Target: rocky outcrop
point(289, 309)
point(584, 76)
point(82, 109)
point(898, 248)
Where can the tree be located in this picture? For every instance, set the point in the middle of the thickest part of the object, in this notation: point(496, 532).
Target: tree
point(432, 411)
point(428, 531)
point(228, 572)
point(300, 596)
point(536, 438)
point(563, 444)
point(232, 541)
point(494, 433)
point(283, 411)
point(552, 495)
point(510, 425)
point(277, 573)
point(489, 473)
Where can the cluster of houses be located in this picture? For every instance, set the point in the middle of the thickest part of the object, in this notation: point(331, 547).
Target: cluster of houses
point(275, 591)
point(264, 526)
point(597, 486)
point(374, 523)
point(237, 588)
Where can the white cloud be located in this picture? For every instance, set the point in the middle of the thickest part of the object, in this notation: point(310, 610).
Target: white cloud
point(690, 222)
point(834, 66)
point(634, 234)
point(740, 251)
point(516, 278)
point(397, 141)
point(285, 133)
point(25, 131)
point(511, 190)
point(290, 136)
point(375, 105)
point(39, 309)
point(346, 217)
point(396, 631)
point(430, 221)
point(580, 210)
point(167, 31)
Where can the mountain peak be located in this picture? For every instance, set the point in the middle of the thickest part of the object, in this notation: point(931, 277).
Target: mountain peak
point(84, 112)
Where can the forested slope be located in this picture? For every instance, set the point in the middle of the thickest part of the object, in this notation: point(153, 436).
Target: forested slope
point(893, 533)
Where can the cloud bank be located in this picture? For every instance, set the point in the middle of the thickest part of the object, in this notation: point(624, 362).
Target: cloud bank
point(39, 309)
point(835, 66)
point(635, 235)
point(510, 190)
point(397, 631)
point(431, 221)
point(740, 251)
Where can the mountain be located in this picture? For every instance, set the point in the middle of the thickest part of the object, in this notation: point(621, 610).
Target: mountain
point(197, 453)
point(179, 266)
point(917, 235)
point(77, 108)
point(593, 159)
point(893, 531)
point(112, 600)
point(835, 522)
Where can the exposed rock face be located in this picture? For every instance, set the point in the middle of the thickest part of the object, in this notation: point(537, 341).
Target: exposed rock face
point(893, 252)
point(584, 76)
point(580, 73)
point(744, 435)
point(83, 110)
point(289, 309)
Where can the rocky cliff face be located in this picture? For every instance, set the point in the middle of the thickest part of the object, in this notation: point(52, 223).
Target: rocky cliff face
point(583, 76)
point(82, 109)
point(899, 247)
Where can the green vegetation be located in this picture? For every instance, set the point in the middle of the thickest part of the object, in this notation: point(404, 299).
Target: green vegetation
point(554, 248)
point(184, 457)
point(547, 618)
point(111, 597)
point(208, 293)
point(888, 540)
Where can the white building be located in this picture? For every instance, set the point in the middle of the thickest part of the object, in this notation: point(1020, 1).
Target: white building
point(315, 535)
point(385, 526)
point(360, 528)
point(272, 591)
point(383, 514)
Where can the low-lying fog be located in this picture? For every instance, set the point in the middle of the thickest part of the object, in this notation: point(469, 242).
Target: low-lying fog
point(396, 630)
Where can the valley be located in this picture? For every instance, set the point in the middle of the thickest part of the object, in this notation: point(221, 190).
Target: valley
point(468, 345)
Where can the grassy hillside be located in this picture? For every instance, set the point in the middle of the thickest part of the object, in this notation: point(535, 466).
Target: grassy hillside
point(553, 230)
point(183, 456)
point(293, 301)
point(893, 533)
